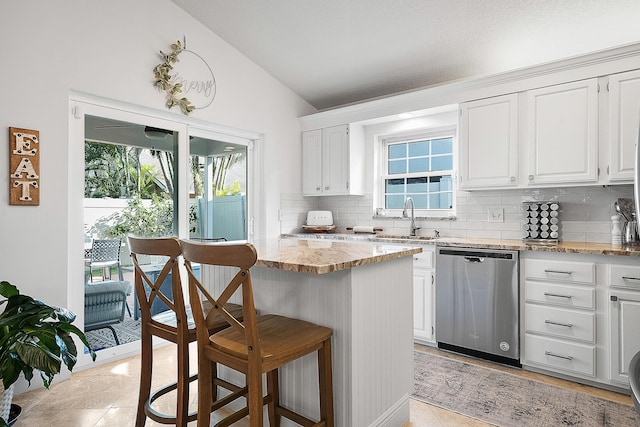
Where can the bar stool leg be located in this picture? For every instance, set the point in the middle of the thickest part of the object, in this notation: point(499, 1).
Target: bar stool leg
point(182, 410)
point(204, 391)
point(254, 398)
point(145, 377)
point(273, 389)
point(326, 383)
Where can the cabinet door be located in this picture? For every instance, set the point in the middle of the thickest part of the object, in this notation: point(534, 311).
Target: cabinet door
point(625, 339)
point(489, 142)
point(423, 314)
point(311, 162)
point(562, 133)
point(624, 111)
point(335, 160)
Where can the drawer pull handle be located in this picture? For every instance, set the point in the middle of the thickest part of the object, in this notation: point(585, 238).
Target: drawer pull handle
point(547, 294)
point(548, 353)
point(630, 278)
point(551, 322)
point(558, 272)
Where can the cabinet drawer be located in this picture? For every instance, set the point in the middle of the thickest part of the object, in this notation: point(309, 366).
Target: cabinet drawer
point(578, 325)
point(624, 276)
point(423, 259)
point(561, 294)
point(560, 355)
point(558, 271)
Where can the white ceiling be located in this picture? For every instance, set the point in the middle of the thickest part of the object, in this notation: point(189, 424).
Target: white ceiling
point(337, 52)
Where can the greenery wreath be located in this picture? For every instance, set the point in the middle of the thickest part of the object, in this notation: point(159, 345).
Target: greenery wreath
point(163, 79)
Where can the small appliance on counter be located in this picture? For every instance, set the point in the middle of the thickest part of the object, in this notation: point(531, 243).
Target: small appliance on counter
point(319, 222)
point(541, 222)
point(626, 208)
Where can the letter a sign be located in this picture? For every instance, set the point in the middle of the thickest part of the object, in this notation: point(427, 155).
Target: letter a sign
point(24, 167)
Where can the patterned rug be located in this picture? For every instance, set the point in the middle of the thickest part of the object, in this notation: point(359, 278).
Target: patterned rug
point(127, 331)
point(508, 400)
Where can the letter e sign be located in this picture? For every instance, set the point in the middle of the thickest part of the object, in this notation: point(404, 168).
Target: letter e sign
point(24, 167)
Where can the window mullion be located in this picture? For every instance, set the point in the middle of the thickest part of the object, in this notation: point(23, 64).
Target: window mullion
point(431, 189)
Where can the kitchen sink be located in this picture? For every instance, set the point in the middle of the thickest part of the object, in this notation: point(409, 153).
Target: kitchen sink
point(403, 237)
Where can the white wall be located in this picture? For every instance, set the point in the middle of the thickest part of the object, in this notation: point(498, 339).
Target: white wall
point(109, 49)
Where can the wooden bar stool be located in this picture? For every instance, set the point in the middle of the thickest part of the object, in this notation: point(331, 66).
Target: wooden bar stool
point(175, 324)
point(255, 346)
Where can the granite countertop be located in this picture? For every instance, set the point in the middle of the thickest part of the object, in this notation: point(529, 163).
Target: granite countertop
point(560, 247)
point(320, 256)
point(518, 245)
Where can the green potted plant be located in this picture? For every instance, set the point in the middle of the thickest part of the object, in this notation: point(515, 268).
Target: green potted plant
point(33, 336)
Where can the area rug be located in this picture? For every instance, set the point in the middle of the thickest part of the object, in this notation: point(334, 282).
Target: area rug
point(508, 400)
point(127, 331)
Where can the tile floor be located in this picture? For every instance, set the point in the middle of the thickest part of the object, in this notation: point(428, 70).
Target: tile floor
point(106, 395)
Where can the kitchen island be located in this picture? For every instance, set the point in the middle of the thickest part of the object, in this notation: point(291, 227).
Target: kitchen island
point(363, 291)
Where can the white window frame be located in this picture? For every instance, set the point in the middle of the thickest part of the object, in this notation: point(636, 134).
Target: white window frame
point(417, 135)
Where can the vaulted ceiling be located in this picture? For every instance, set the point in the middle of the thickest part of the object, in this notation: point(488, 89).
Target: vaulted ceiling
point(338, 52)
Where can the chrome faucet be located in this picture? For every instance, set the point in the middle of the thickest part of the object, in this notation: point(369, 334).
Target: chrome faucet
point(413, 227)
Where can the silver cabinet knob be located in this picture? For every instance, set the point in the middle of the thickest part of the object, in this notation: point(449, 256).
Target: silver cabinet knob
point(530, 177)
point(317, 188)
point(512, 179)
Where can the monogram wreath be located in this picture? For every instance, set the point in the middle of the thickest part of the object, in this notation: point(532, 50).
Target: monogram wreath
point(163, 79)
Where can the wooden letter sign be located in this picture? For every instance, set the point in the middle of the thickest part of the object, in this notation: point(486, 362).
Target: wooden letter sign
point(24, 167)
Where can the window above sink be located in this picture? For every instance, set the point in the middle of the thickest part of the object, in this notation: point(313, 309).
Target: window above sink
point(420, 165)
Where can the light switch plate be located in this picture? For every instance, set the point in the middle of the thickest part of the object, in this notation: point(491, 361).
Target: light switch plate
point(495, 215)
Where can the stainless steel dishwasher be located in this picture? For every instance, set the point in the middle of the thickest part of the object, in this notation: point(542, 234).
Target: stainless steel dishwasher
point(477, 309)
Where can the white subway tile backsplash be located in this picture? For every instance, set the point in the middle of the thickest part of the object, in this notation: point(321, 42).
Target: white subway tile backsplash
point(484, 234)
point(476, 217)
point(598, 227)
point(512, 235)
point(599, 237)
point(585, 212)
point(574, 237)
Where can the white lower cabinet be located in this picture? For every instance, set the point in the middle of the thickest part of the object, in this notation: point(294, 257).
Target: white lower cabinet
point(624, 319)
point(561, 355)
point(581, 315)
point(424, 296)
point(560, 316)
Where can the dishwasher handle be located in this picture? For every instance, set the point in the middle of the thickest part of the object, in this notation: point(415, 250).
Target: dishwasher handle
point(474, 259)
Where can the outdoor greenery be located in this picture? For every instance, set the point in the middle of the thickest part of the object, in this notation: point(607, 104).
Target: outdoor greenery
point(151, 219)
point(220, 166)
point(116, 171)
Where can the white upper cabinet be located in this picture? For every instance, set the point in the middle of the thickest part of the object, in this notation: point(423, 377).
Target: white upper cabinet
point(489, 142)
point(333, 161)
point(562, 133)
point(624, 112)
point(543, 137)
point(312, 170)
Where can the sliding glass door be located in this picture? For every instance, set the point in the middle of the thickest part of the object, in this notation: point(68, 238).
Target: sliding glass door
point(139, 171)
